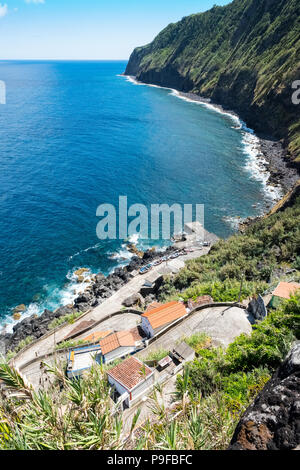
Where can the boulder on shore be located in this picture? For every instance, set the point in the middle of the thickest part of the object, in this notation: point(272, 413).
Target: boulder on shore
point(272, 422)
point(20, 308)
point(17, 316)
point(135, 299)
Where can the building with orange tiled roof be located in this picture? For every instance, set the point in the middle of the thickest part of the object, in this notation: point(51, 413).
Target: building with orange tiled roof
point(286, 289)
point(119, 344)
point(153, 305)
point(283, 291)
point(97, 336)
point(160, 317)
point(132, 379)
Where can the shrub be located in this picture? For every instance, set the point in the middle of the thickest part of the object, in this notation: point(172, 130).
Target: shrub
point(157, 355)
point(70, 318)
point(241, 388)
point(197, 341)
point(70, 344)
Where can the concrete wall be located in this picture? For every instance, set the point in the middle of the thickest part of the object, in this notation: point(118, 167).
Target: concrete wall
point(120, 352)
point(143, 388)
point(147, 328)
point(120, 389)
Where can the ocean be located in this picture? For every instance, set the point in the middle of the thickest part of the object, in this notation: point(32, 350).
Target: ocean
point(74, 135)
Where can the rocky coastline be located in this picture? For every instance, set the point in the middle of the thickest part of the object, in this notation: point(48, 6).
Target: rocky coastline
point(274, 161)
point(101, 288)
point(282, 173)
point(272, 421)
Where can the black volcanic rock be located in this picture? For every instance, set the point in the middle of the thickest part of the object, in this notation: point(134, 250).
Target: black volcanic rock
point(272, 422)
point(101, 288)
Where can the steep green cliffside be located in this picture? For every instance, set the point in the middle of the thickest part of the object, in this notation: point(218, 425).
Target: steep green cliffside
point(244, 56)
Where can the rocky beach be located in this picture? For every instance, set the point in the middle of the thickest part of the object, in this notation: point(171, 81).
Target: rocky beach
point(100, 288)
point(272, 155)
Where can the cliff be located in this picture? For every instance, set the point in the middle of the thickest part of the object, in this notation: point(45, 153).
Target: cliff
point(244, 56)
point(272, 421)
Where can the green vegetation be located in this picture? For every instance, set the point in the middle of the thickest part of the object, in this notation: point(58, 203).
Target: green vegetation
point(78, 418)
point(70, 344)
point(22, 344)
point(214, 389)
point(269, 246)
point(197, 341)
point(70, 318)
point(213, 392)
point(157, 355)
point(240, 372)
point(244, 55)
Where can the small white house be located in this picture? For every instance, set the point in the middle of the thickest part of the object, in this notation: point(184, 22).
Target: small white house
point(132, 379)
point(119, 344)
point(160, 317)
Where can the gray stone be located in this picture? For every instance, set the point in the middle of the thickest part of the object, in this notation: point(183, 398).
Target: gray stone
point(272, 422)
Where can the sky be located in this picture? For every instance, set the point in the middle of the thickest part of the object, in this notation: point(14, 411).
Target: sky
point(86, 29)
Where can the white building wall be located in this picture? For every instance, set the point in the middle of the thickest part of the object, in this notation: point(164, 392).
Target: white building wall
point(120, 389)
point(143, 388)
point(147, 327)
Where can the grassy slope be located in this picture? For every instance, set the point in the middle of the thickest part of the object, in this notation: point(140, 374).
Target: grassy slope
point(266, 250)
point(244, 56)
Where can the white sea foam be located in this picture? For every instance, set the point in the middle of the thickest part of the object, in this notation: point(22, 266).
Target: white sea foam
point(189, 99)
point(233, 222)
point(208, 105)
point(9, 322)
point(54, 298)
point(85, 251)
point(256, 164)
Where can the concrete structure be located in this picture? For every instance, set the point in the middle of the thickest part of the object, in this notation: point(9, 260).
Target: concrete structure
point(82, 359)
point(221, 324)
point(164, 362)
point(28, 361)
point(183, 353)
point(202, 300)
point(155, 319)
point(195, 229)
point(79, 328)
point(132, 380)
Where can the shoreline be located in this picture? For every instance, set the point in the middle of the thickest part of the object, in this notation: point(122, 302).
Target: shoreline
point(101, 289)
point(272, 150)
point(271, 159)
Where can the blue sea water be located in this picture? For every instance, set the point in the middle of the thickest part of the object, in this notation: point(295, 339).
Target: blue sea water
point(74, 135)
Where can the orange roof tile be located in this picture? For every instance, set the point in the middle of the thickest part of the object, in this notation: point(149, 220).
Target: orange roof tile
point(286, 289)
point(130, 373)
point(97, 335)
point(80, 327)
point(152, 306)
point(117, 340)
point(165, 314)
point(136, 334)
